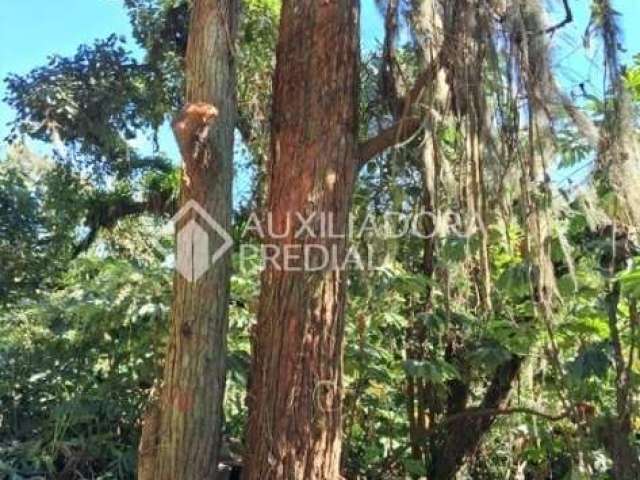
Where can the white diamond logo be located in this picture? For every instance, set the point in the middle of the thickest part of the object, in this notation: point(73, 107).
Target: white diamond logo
point(193, 258)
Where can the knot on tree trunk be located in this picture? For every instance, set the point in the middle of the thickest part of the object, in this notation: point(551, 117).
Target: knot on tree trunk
point(191, 129)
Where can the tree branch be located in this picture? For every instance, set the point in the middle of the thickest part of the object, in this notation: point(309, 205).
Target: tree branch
point(567, 20)
point(106, 214)
point(463, 437)
point(399, 132)
point(406, 126)
point(494, 412)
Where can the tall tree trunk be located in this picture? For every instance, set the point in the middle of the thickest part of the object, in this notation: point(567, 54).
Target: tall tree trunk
point(619, 158)
point(427, 22)
point(616, 436)
point(464, 433)
point(616, 431)
point(182, 430)
point(294, 429)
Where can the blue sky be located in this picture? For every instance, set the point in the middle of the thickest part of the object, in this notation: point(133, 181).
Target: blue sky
point(31, 30)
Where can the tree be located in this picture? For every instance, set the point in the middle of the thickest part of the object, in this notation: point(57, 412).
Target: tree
point(294, 429)
point(483, 353)
point(182, 432)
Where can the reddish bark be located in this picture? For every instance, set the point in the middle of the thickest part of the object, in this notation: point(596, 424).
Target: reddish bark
point(295, 394)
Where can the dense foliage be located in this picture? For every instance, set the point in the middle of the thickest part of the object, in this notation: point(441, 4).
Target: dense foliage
point(86, 267)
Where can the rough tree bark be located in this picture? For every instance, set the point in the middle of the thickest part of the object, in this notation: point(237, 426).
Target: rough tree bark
point(294, 429)
point(295, 394)
point(182, 429)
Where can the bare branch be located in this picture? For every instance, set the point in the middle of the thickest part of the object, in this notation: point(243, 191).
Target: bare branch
point(397, 133)
point(406, 126)
point(494, 412)
point(567, 19)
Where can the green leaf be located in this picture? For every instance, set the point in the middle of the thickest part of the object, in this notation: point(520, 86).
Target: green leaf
point(414, 467)
point(435, 371)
